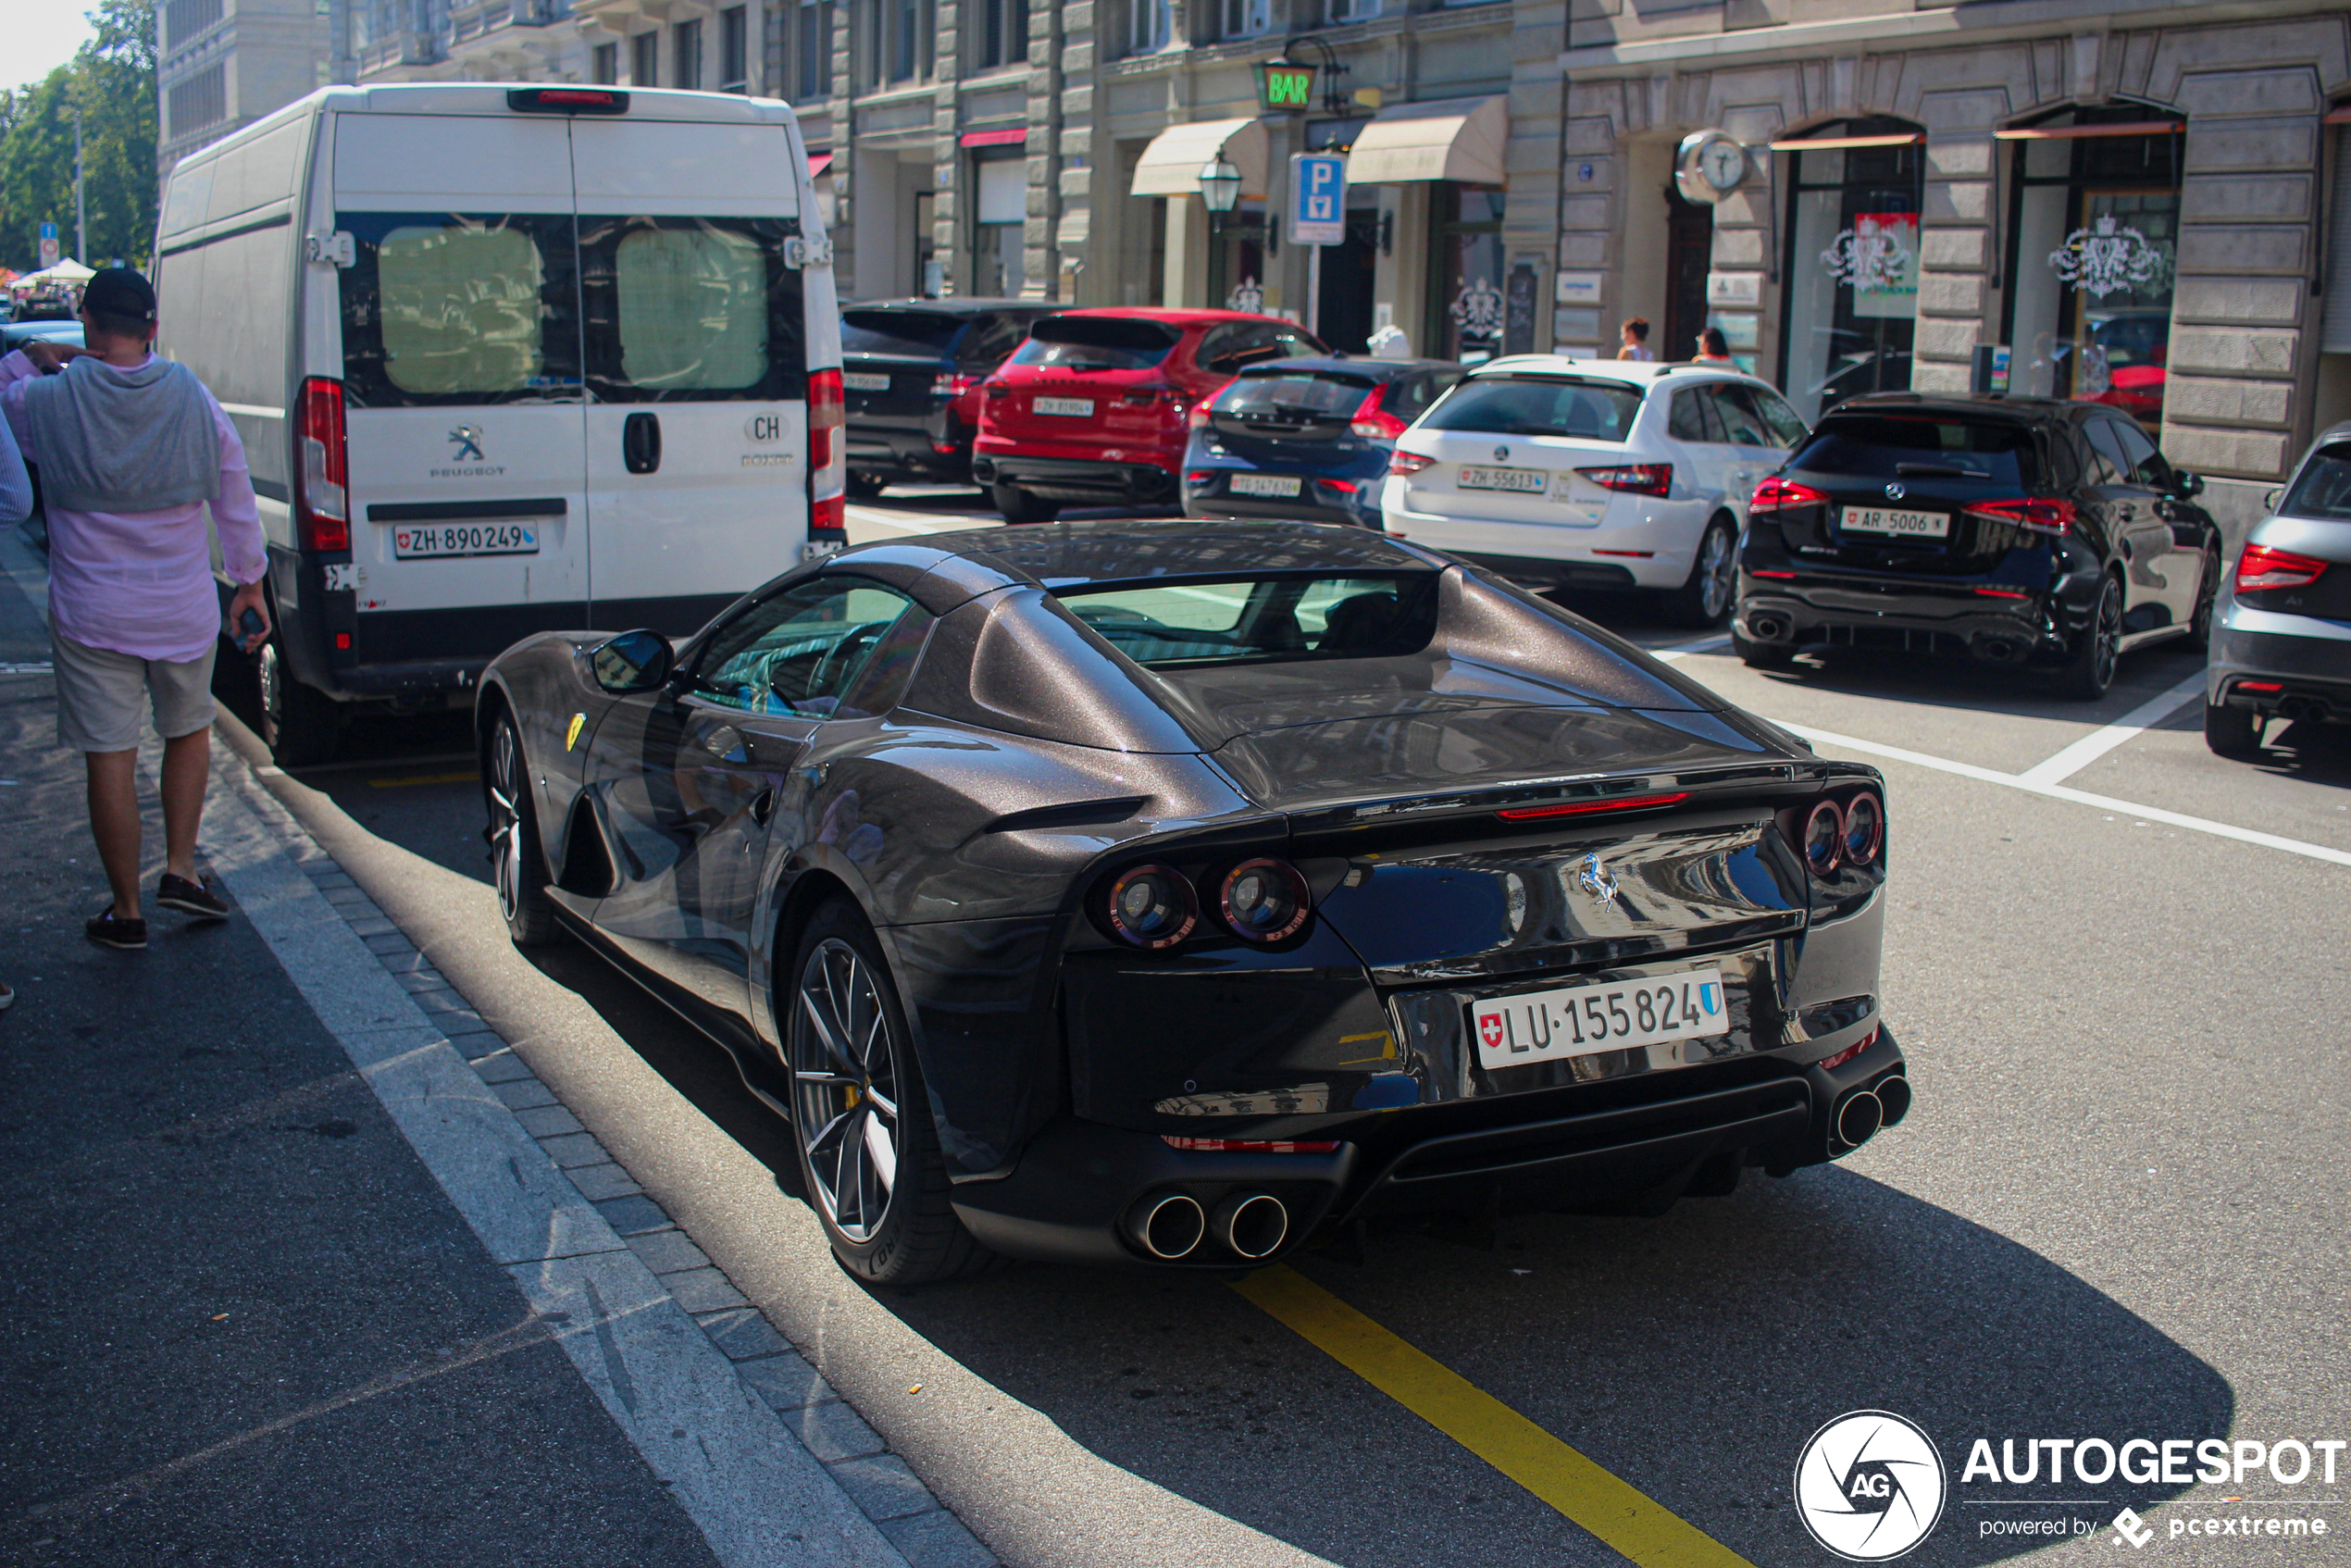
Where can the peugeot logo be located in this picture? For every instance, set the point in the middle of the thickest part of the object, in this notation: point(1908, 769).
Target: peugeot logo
point(1895, 492)
point(1502, 454)
point(469, 439)
point(1597, 879)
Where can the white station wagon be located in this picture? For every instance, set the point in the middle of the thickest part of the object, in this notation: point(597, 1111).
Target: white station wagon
point(1594, 474)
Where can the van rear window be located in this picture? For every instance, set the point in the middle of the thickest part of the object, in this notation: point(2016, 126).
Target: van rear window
point(1921, 446)
point(693, 310)
point(1097, 342)
point(1527, 405)
point(461, 309)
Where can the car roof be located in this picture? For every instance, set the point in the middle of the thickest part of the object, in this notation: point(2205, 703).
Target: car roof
point(1066, 556)
point(1354, 364)
point(2019, 408)
point(961, 305)
point(1176, 317)
point(1634, 372)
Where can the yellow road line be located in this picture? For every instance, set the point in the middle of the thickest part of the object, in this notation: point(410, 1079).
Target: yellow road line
point(413, 779)
point(1632, 1523)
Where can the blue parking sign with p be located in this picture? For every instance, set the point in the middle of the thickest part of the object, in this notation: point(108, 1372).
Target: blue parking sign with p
point(1317, 199)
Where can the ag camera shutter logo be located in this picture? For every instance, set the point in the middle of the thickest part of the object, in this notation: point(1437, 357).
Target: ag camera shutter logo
point(1869, 1486)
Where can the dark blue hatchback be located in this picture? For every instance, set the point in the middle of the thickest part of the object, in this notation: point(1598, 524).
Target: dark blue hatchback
point(1307, 438)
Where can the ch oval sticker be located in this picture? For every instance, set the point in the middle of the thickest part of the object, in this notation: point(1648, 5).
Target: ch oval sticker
point(764, 426)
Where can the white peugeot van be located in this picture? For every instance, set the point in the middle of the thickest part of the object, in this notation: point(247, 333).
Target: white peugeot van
point(506, 359)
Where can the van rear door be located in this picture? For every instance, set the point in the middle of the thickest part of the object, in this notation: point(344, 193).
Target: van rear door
point(461, 388)
point(695, 343)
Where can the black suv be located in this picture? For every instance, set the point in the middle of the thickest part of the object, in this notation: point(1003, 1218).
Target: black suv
point(2013, 530)
point(911, 371)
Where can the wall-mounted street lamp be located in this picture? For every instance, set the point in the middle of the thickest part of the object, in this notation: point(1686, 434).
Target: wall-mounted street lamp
point(1220, 185)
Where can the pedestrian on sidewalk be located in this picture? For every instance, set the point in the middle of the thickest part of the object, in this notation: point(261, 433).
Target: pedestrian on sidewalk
point(1634, 340)
point(16, 505)
point(1712, 349)
point(131, 448)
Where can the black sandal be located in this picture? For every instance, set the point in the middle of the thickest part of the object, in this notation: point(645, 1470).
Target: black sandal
point(107, 931)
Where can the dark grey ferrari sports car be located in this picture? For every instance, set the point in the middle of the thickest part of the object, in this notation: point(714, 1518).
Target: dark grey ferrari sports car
point(1184, 893)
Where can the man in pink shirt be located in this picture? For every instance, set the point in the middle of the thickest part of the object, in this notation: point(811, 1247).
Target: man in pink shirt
point(132, 449)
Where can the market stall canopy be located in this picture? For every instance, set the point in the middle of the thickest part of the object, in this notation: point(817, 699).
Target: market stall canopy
point(1449, 139)
point(65, 274)
point(1171, 165)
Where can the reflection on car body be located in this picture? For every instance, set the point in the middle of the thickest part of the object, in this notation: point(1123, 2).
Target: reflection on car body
point(1128, 892)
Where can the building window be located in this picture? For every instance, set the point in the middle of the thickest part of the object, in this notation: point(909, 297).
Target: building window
point(644, 60)
point(2093, 224)
point(604, 65)
point(903, 42)
point(814, 79)
point(1851, 271)
point(1345, 11)
point(999, 213)
point(1149, 26)
point(685, 55)
point(734, 52)
point(200, 101)
point(1003, 33)
point(183, 20)
point(1467, 315)
point(1246, 19)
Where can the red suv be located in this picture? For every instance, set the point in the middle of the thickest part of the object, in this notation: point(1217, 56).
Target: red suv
point(1091, 410)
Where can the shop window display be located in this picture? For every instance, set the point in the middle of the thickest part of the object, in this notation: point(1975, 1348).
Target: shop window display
point(1851, 269)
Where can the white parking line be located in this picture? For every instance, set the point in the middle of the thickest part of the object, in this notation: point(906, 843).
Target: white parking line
point(2090, 747)
point(2079, 797)
point(1710, 645)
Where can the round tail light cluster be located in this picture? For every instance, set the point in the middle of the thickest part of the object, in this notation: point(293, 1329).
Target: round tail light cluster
point(1155, 906)
point(1848, 833)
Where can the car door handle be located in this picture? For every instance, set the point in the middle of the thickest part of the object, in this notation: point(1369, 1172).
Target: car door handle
point(640, 443)
point(762, 806)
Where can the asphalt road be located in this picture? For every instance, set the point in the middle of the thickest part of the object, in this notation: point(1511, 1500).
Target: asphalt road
point(2115, 1213)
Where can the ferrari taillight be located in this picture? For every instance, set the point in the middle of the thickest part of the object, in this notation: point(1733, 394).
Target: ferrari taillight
point(2262, 567)
point(325, 503)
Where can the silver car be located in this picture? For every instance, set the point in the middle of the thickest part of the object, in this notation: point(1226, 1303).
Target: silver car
point(2283, 647)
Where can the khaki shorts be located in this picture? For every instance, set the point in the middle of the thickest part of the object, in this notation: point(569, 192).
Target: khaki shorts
point(102, 696)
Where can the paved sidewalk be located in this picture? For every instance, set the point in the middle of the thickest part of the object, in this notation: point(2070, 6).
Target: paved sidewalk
point(238, 1321)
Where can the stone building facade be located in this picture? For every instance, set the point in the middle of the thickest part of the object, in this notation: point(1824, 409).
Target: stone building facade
point(222, 64)
point(2142, 202)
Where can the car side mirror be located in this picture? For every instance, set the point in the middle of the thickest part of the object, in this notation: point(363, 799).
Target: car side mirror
point(2190, 486)
point(2271, 498)
point(634, 661)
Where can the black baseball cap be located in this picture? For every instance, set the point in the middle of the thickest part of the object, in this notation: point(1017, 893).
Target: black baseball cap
point(119, 291)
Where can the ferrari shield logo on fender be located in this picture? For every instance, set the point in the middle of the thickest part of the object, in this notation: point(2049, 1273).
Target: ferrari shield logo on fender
point(571, 736)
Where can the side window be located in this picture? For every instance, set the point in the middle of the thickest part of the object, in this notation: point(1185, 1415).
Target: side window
point(1695, 417)
point(2142, 462)
point(988, 343)
point(1227, 348)
point(798, 653)
point(1742, 426)
point(1288, 344)
point(2107, 465)
point(1787, 429)
point(689, 310)
point(458, 308)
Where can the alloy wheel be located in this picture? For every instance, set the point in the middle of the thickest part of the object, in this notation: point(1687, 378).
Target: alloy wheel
point(1718, 572)
point(505, 819)
point(2108, 632)
point(845, 1088)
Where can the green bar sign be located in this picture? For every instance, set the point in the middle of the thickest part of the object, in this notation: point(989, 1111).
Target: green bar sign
point(1281, 85)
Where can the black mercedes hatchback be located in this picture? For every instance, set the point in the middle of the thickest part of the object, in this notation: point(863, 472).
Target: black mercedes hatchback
point(2008, 530)
point(911, 371)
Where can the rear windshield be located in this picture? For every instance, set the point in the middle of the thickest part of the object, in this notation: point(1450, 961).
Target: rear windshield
point(1904, 446)
point(1097, 342)
point(1511, 405)
point(1294, 393)
point(1258, 620)
point(916, 334)
point(2323, 490)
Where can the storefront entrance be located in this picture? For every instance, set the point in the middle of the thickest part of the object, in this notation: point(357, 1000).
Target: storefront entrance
point(1689, 255)
point(1851, 269)
point(2094, 223)
point(1238, 246)
point(1465, 305)
point(1343, 304)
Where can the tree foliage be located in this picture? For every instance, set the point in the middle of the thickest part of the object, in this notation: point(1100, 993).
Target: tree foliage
point(112, 80)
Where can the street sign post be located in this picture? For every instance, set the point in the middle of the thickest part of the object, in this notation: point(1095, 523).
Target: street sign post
point(48, 246)
point(1317, 216)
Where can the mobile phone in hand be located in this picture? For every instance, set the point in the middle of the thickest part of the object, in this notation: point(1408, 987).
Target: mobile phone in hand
point(250, 626)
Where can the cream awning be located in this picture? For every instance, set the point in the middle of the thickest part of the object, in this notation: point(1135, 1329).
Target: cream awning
point(1171, 165)
point(1449, 139)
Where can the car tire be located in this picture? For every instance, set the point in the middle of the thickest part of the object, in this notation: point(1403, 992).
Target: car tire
point(2207, 596)
point(2089, 669)
point(518, 866)
point(865, 487)
point(858, 1103)
point(2233, 732)
point(1019, 507)
point(301, 725)
point(1706, 597)
point(1762, 655)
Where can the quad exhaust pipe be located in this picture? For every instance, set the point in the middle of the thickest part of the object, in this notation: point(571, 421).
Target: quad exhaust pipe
point(1859, 1118)
point(1171, 1226)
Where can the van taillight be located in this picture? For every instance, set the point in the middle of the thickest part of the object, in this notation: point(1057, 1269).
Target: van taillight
point(323, 511)
point(828, 453)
